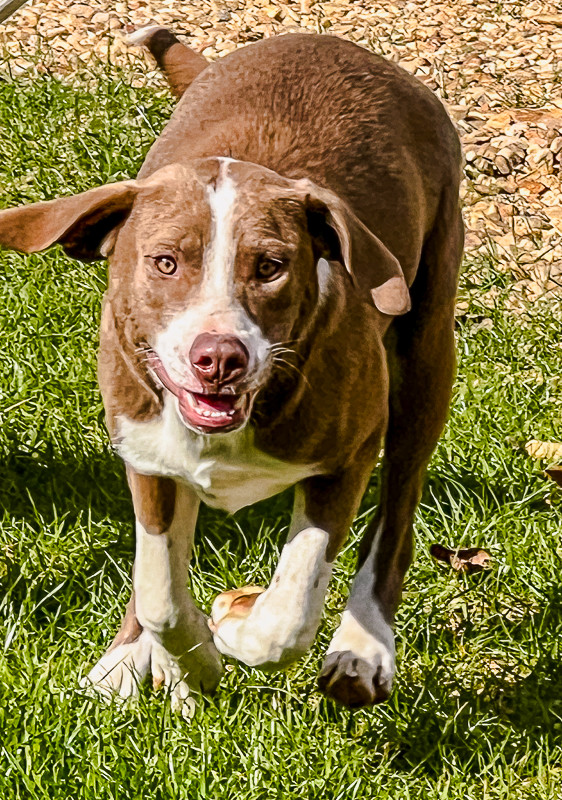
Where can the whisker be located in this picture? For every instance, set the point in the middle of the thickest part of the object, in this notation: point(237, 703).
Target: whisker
point(282, 361)
point(288, 341)
point(143, 349)
point(283, 351)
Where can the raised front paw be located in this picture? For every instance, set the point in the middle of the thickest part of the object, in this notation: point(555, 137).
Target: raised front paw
point(250, 625)
point(262, 628)
point(233, 604)
point(354, 681)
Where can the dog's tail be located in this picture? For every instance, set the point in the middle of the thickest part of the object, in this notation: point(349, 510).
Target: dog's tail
point(179, 63)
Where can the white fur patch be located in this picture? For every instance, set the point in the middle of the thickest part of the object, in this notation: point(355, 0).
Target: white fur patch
point(161, 564)
point(226, 470)
point(141, 35)
point(352, 635)
point(175, 643)
point(157, 604)
point(163, 604)
point(284, 619)
point(218, 261)
point(324, 272)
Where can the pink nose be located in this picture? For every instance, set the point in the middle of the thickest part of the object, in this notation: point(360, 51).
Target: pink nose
point(218, 359)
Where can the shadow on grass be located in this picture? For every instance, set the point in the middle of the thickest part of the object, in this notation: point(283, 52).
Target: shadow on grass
point(448, 493)
point(428, 719)
point(86, 499)
point(40, 487)
point(504, 713)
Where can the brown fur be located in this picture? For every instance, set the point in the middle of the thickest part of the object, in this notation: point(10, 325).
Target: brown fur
point(366, 152)
point(179, 63)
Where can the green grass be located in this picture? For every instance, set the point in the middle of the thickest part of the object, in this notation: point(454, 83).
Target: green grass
point(477, 709)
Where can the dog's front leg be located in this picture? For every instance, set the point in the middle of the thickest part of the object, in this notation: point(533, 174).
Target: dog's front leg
point(163, 631)
point(164, 607)
point(274, 628)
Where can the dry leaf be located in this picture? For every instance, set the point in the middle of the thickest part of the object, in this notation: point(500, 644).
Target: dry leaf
point(472, 559)
point(555, 473)
point(549, 451)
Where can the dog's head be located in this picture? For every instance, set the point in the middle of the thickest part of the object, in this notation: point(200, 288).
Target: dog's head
point(214, 269)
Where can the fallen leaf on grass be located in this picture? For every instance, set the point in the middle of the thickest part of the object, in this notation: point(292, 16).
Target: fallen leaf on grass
point(473, 559)
point(551, 451)
point(555, 473)
point(233, 603)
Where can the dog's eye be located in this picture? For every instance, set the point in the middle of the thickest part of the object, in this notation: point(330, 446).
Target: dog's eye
point(165, 264)
point(268, 269)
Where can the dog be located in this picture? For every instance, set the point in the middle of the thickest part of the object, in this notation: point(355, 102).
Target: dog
point(282, 279)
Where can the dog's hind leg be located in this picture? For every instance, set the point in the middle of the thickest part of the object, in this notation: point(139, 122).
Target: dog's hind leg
point(180, 64)
point(163, 631)
point(359, 666)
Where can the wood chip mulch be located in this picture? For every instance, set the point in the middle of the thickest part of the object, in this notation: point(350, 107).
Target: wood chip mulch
point(497, 66)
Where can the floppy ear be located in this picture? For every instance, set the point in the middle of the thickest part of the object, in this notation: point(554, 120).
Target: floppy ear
point(340, 236)
point(79, 223)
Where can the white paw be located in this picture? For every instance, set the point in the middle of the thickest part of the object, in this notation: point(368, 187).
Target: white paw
point(230, 624)
point(121, 670)
point(119, 673)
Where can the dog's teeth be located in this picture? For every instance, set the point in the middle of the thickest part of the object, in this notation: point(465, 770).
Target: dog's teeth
point(207, 413)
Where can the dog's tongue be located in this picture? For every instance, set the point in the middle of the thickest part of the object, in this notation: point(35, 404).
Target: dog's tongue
point(216, 402)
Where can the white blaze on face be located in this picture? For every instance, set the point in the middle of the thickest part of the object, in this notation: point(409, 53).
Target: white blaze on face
point(219, 257)
point(214, 306)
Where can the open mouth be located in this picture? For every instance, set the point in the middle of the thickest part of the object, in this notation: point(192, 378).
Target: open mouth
point(208, 412)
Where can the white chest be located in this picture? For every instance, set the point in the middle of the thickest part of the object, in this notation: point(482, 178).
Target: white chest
point(226, 470)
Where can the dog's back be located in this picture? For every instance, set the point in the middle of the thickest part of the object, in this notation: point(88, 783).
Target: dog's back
point(323, 108)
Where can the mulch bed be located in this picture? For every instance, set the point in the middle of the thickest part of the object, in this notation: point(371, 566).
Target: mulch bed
point(497, 66)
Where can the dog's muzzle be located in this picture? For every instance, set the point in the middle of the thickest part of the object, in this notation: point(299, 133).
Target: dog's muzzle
point(219, 362)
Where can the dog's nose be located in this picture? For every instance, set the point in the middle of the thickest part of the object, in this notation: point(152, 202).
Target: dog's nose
point(218, 359)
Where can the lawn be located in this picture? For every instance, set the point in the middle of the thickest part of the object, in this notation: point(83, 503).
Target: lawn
point(477, 708)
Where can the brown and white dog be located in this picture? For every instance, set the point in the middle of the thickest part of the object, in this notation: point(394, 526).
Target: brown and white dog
point(302, 198)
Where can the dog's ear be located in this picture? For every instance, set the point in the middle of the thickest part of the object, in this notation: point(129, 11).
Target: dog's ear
point(82, 223)
point(338, 235)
